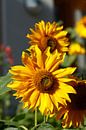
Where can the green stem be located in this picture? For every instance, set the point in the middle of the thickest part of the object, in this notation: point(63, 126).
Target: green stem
point(47, 117)
point(35, 116)
point(23, 127)
point(44, 119)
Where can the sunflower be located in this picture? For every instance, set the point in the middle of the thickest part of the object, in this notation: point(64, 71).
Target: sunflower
point(75, 111)
point(76, 48)
point(40, 83)
point(80, 27)
point(49, 34)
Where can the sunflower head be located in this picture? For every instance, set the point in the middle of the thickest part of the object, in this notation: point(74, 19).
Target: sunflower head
point(49, 35)
point(76, 48)
point(52, 43)
point(84, 21)
point(78, 101)
point(44, 80)
point(81, 27)
point(75, 111)
point(40, 83)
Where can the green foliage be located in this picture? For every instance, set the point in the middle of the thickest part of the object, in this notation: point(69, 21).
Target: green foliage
point(44, 126)
point(19, 117)
point(72, 33)
point(4, 80)
point(69, 60)
point(11, 128)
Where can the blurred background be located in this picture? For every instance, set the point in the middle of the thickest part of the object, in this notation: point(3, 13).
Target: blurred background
point(17, 16)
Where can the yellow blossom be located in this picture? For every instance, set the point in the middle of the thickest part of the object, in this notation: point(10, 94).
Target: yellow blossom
point(40, 83)
point(49, 34)
point(76, 48)
point(80, 27)
point(75, 111)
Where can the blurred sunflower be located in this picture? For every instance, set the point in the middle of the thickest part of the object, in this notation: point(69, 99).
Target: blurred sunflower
point(39, 82)
point(74, 113)
point(80, 27)
point(49, 34)
point(76, 48)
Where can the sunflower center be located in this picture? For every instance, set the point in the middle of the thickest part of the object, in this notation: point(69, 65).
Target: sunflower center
point(84, 24)
point(43, 81)
point(47, 82)
point(52, 43)
point(78, 101)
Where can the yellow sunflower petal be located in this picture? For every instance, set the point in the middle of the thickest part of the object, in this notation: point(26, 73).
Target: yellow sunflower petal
point(61, 94)
point(20, 70)
point(27, 61)
point(52, 60)
point(26, 95)
point(25, 105)
point(64, 72)
point(46, 103)
point(66, 88)
point(61, 34)
point(55, 102)
point(39, 57)
point(14, 85)
point(32, 99)
point(65, 79)
point(58, 62)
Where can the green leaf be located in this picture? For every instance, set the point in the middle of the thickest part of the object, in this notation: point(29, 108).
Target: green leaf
point(44, 126)
point(23, 127)
point(84, 128)
point(12, 128)
point(4, 80)
point(69, 60)
point(72, 33)
point(85, 121)
point(19, 117)
point(80, 128)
